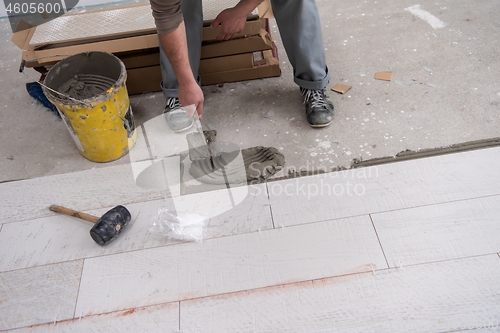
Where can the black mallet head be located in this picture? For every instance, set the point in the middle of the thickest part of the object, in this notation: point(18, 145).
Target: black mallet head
point(110, 225)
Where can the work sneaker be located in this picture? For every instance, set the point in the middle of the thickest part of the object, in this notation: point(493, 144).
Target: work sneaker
point(319, 110)
point(175, 115)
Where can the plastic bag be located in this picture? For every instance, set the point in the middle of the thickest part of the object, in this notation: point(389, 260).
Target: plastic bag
point(180, 226)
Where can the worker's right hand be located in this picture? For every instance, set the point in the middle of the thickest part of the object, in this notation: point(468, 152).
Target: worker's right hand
point(190, 93)
point(232, 21)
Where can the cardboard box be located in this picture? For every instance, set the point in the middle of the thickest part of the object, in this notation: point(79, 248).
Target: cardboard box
point(252, 27)
point(229, 63)
point(147, 79)
point(48, 56)
point(268, 69)
point(138, 59)
point(144, 79)
point(260, 42)
point(21, 38)
point(265, 9)
point(222, 61)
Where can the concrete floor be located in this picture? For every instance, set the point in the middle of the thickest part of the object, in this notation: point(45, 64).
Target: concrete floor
point(455, 100)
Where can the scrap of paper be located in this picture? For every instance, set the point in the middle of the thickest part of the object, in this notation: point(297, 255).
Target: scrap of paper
point(341, 88)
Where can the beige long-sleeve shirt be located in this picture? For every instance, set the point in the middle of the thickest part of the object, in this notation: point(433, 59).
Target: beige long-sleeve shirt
point(167, 15)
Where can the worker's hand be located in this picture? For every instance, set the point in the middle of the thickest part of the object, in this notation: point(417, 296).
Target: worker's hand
point(232, 21)
point(191, 93)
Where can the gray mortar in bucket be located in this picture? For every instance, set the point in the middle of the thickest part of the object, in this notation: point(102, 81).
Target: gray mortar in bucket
point(84, 78)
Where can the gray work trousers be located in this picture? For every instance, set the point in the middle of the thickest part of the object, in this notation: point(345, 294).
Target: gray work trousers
point(300, 29)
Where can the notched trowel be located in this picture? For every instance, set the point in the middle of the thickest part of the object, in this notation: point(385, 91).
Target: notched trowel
point(198, 147)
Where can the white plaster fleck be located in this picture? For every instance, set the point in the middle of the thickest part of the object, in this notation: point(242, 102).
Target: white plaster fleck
point(434, 22)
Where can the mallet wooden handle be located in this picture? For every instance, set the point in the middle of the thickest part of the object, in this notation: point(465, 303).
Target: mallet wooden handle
point(71, 212)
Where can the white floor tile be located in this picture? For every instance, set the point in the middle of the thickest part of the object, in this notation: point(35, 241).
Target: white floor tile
point(84, 190)
point(39, 295)
point(386, 187)
point(62, 238)
point(439, 232)
point(158, 318)
point(229, 264)
point(435, 297)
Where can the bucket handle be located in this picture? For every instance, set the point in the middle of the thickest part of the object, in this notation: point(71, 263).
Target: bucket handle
point(21, 70)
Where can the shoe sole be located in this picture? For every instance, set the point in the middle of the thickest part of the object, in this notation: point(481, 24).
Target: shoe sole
point(183, 129)
point(319, 126)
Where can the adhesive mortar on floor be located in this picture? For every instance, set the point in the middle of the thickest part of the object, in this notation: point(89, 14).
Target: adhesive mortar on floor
point(232, 165)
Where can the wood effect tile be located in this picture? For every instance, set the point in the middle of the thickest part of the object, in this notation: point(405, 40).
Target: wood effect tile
point(157, 318)
point(437, 297)
point(229, 264)
point(84, 190)
point(39, 295)
point(386, 187)
point(440, 232)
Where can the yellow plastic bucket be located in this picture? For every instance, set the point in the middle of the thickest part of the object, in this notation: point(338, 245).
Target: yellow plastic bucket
point(90, 93)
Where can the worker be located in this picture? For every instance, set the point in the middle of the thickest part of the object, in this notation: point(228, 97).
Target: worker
point(179, 24)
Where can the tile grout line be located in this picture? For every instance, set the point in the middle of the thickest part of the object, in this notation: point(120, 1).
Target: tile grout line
point(449, 259)
point(147, 142)
point(179, 316)
point(270, 205)
point(328, 220)
point(380, 243)
point(78, 291)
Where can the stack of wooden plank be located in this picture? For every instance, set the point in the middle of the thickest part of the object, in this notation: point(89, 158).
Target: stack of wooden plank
point(130, 34)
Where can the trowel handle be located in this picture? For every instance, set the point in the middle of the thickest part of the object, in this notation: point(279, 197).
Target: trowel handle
point(71, 212)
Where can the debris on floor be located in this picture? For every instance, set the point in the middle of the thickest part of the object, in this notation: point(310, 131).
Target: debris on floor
point(269, 114)
point(182, 226)
point(385, 76)
point(341, 88)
